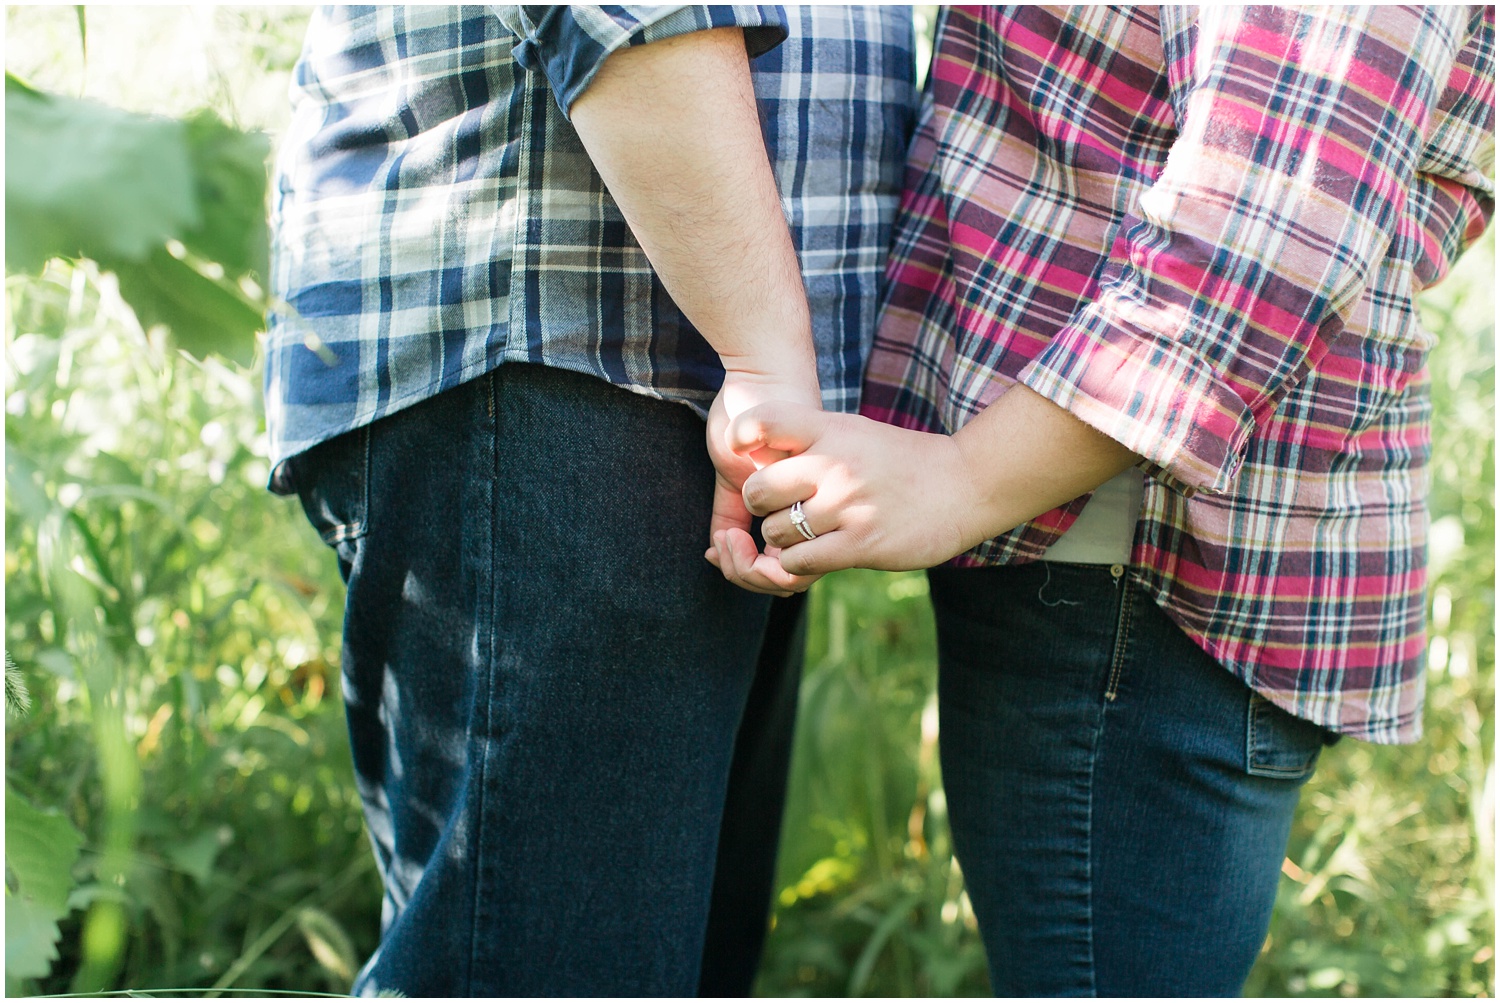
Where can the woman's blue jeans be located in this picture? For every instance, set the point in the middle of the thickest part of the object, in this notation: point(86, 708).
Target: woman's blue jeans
point(570, 734)
point(1120, 803)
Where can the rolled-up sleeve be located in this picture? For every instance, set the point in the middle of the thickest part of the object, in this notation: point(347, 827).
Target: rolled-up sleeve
point(1299, 134)
point(569, 43)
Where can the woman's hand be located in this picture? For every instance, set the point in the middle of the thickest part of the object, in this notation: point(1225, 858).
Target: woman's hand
point(876, 496)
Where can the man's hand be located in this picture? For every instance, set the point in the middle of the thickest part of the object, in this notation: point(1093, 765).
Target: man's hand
point(732, 549)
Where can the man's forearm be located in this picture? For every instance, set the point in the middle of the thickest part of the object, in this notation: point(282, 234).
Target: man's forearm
point(673, 129)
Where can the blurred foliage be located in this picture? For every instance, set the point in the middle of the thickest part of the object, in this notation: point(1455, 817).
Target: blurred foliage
point(178, 631)
point(176, 627)
point(869, 898)
point(174, 208)
point(180, 805)
point(40, 850)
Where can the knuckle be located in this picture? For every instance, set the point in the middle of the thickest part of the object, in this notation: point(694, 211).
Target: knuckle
point(796, 563)
point(755, 498)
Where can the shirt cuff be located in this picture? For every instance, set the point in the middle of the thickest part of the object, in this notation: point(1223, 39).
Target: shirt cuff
point(1149, 393)
point(569, 43)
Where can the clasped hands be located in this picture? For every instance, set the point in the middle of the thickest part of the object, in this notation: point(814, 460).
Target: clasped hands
point(874, 495)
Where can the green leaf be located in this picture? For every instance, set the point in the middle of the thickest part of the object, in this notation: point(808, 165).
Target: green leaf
point(15, 83)
point(206, 316)
point(196, 856)
point(31, 936)
point(328, 943)
point(84, 179)
point(58, 662)
point(888, 925)
point(229, 172)
point(23, 481)
point(83, 34)
point(40, 850)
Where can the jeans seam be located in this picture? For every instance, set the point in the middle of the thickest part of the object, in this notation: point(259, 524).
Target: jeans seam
point(367, 447)
point(1122, 633)
point(1111, 689)
point(1089, 851)
point(1251, 738)
point(488, 661)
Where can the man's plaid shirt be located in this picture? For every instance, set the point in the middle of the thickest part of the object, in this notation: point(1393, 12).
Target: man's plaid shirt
point(436, 215)
point(1201, 230)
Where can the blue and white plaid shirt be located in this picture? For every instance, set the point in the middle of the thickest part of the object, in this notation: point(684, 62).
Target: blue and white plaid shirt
point(436, 215)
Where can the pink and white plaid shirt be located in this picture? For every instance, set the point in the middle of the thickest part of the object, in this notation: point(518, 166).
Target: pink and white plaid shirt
point(1201, 230)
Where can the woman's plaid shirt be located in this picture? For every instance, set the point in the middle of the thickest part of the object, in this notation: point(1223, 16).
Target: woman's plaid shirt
point(1201, 230)
point(436, 215)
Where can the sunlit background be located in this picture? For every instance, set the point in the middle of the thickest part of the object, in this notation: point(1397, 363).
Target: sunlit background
point(180, 808)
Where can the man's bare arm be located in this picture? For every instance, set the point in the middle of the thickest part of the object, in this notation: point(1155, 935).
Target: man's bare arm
point(673, 129)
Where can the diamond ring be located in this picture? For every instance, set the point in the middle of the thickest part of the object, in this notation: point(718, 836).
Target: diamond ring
point(800, 522)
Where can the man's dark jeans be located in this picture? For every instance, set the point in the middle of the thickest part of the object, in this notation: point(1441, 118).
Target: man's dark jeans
point(545, 684)
point(1120, 803)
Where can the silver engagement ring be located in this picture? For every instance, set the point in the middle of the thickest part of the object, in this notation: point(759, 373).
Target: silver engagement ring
point(800, 521)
